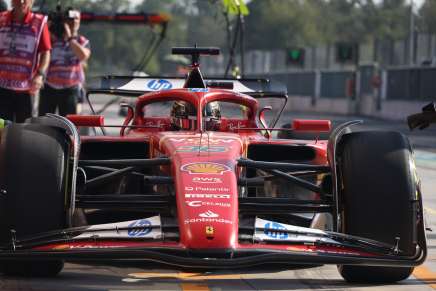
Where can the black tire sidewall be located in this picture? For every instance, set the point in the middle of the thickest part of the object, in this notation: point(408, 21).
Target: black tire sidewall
point(33, 170)
point(377, 197)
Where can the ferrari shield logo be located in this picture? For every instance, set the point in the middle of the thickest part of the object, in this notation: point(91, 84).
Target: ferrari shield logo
point(209, 230)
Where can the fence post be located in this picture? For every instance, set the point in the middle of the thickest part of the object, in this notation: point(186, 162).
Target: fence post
point(354, 99)
point(317, 89)
point(384, 89)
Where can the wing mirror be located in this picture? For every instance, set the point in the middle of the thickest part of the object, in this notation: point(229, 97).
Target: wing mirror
point(86, 120)
point(263, 120)
point(307, 125)
point(130, 114)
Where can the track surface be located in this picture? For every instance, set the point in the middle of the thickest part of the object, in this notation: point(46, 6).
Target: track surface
point(150, 277)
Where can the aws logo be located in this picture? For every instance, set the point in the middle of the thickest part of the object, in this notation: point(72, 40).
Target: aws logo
point(207, 180)
point(158, 85)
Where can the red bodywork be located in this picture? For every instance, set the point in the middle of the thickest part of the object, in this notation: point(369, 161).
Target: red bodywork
point(204, 163)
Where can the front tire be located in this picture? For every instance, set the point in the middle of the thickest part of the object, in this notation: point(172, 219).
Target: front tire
point(379, 198)
point(33, 170)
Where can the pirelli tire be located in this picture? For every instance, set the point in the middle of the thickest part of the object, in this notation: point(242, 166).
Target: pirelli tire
point(379, 198)
point(33, 177)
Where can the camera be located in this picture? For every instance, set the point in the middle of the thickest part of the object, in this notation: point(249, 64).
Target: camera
point(58, 17)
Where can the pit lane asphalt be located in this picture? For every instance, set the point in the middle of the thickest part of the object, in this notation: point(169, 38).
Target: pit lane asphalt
point(149, 277)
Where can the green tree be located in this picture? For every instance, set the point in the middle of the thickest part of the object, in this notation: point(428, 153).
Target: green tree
point(275, 24)
point(428, 16)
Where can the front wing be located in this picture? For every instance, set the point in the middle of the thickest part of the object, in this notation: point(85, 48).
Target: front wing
point(270, 243)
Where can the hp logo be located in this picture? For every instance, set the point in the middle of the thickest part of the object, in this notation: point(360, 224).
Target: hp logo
point(275, 230)
point(157, 85)
point(144, 230)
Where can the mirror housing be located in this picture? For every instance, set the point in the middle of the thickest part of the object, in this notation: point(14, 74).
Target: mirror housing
point(86, 120)
point(308, 125)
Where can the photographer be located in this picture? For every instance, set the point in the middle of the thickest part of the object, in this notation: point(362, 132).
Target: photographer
point(24, 57)
point(65, 77)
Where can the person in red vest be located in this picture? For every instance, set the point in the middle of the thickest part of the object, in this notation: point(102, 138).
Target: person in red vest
point(24, 57)
point(65, 76)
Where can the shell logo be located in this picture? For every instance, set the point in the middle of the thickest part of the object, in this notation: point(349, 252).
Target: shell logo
point(205, 168)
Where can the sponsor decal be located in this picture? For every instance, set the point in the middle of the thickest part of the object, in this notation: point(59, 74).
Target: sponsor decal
point(204, 140)
point(207, 189)
point(273, 230)
point(239, 124)
point(198, 89)
point(207, 180)
point(208, 214)
point(311, 249)
point(208, 220)
point(205, 168)
point(209, 196)
point(207, 203)
point(157, 85)
point(94, 246)
point(203, 148)
point(210, 230)
point(84, 246)
point(145, 228)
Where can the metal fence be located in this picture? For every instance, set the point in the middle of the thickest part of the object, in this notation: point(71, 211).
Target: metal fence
point(324, 84)
point(333, 84)
point(411, 84)
point(408, 83)
point(300, 83)
point(386, 53)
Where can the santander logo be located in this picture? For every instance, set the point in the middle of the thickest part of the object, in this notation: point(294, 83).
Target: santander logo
point(208, 214)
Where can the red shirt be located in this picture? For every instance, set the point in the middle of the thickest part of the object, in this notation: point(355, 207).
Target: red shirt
point(45, 42)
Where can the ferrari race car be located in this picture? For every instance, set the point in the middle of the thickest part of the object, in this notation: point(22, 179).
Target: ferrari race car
point(196, 178)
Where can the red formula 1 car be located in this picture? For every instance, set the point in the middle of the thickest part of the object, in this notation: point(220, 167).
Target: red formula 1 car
point(196, 179)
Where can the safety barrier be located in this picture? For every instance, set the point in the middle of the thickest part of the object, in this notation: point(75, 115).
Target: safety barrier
point(391, 93)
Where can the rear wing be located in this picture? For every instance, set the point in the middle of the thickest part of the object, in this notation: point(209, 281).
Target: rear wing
point(135, 86)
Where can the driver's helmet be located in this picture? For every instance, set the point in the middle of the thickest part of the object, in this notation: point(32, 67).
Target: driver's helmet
point(180, 115)
point(213, 116)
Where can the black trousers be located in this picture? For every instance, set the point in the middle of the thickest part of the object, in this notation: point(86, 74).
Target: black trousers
point(15, 106)
point(65, 100)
